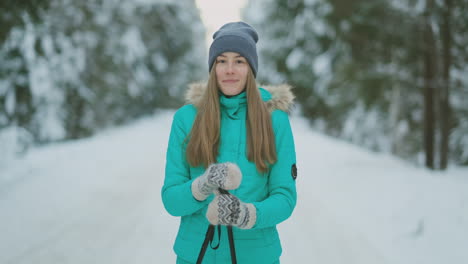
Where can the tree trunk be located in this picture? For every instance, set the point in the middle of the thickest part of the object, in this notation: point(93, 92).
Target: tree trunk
point(444, 93)
point(429, 55)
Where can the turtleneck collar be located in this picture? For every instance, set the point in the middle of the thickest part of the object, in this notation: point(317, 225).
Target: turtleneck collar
point(233, 104)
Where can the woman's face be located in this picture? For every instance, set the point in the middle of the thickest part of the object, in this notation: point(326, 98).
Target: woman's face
point(231, 72)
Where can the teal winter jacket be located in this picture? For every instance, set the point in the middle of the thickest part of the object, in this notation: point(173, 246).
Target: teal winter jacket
point(272, 193)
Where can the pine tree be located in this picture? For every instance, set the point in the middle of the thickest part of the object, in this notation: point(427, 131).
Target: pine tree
point(378, 73)
point(76, 67)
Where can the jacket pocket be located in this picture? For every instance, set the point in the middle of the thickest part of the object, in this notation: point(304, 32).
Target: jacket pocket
point(264, 236)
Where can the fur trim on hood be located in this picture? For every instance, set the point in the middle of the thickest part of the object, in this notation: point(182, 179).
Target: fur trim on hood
point(282, 97)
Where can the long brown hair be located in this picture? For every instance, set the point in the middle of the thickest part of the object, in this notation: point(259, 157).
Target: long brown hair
point(203, 145)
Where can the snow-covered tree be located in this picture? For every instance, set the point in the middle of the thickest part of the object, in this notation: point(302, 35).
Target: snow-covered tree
point(358, 69)
point(69, 68)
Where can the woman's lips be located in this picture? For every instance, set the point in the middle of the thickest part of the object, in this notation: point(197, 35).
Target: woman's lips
point(230, 81)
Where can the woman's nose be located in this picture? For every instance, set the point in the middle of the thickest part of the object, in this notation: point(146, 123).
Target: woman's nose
point(230, 68)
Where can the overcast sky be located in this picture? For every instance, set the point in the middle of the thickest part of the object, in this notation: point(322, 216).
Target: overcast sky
point(216, 13)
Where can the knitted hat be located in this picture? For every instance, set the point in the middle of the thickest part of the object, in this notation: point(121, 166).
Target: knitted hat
point(237, 37)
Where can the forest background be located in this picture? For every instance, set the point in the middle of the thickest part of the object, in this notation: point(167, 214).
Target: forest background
point(391, 76)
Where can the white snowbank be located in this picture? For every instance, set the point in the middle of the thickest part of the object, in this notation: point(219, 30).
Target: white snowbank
point(98, 201)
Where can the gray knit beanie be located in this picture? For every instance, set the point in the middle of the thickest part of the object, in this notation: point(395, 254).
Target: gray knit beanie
point(237, 37)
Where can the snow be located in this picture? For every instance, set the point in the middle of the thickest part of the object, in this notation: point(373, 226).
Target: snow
point(135, 46)
point(322, 64)
point(97, 200)
point(294, 58)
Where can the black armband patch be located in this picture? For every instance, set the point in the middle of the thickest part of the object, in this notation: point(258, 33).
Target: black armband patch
point(294, 171)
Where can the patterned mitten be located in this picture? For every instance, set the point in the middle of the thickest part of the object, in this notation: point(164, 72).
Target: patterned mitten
point(226, 176)
point(227, 209)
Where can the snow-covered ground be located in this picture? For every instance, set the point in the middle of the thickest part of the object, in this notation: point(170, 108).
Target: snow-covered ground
point(98, 201)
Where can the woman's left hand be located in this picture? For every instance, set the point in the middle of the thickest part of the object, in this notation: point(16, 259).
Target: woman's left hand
point(227, 209)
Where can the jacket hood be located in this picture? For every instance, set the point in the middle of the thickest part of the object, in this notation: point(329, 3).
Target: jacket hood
point(279, 96)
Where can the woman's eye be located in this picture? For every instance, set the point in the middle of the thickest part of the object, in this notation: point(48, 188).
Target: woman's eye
point(220, 61)
point(240, 61)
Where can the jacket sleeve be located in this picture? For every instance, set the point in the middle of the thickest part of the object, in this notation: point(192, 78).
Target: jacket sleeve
point(176, 192)
point(280, 203)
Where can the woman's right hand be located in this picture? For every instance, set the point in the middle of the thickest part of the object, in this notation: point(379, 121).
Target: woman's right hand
point(225, 175)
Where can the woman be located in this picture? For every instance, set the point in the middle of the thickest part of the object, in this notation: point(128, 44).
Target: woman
point(231, 136)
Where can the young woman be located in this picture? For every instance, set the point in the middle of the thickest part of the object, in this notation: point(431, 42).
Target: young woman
point(231, 136)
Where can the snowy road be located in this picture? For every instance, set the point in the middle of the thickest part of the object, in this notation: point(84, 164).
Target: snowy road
point(98, 201)
point(315, 235)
